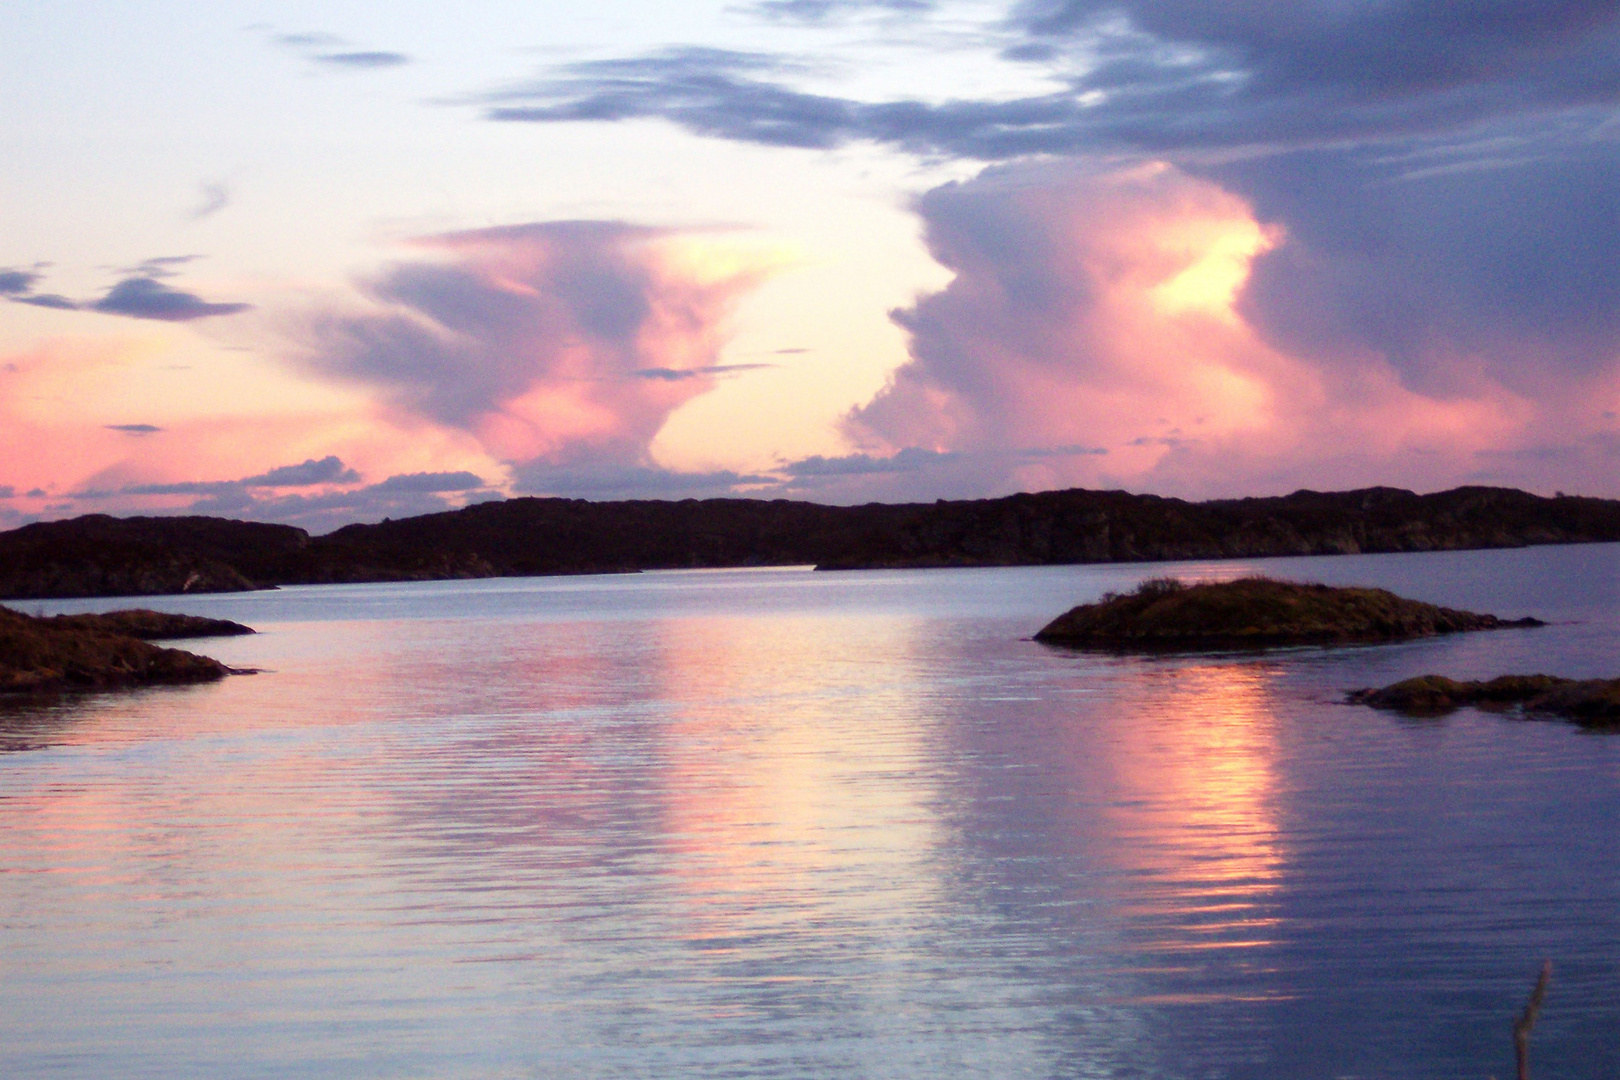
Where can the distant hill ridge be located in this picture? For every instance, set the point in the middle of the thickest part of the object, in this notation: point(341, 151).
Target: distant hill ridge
point(99, 555)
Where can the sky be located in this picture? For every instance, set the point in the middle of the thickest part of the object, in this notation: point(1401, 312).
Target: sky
point(324, 263)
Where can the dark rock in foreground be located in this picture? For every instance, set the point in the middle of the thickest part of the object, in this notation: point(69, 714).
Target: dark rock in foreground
point(40, 655)
point(148, 625)
point(1164, 614)
point(1589, 702)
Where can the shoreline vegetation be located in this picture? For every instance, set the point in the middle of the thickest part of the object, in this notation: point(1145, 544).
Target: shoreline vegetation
point(1591, 703)
point(40, 655)
point(99, 555)
point(1164, 614)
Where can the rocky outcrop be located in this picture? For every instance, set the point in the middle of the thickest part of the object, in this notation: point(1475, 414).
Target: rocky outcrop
point(40, 655)
point(1164, 614)
point(150, 625)
point(1589, 702)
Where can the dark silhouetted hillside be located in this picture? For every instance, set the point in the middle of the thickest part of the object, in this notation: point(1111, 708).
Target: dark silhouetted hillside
point(101, 556)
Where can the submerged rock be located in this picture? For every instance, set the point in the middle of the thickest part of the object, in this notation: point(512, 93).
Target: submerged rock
point(1589, 702)
point(1256, 612)
point(39, 655)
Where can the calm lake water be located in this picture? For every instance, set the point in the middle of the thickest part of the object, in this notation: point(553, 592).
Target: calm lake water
point(777, 823)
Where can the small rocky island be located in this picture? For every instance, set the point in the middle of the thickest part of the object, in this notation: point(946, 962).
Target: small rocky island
point(1164, 614)
point(90, 652)
point(1591, 703)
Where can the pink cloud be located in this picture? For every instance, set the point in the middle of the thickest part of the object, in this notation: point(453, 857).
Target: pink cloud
point(554, 343)
point(1095, 334)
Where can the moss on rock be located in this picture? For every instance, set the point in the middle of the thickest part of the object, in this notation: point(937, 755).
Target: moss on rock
point(1255, 612)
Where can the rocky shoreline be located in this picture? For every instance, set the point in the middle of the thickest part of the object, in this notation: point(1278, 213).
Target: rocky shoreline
point(1256, 612)
point(41, 655)
point(1593, 703)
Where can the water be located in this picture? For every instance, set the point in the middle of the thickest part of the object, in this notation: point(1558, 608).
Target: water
point(785, 824)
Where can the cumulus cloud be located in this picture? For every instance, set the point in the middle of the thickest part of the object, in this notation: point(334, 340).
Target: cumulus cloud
point(554, 344)
point(1294, 244)
point(1143, 328)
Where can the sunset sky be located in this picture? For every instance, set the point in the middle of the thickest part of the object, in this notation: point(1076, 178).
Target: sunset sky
point(322, 263)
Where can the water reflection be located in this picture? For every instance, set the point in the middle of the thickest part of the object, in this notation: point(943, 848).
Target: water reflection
point(1196, 807)
point(754, 836)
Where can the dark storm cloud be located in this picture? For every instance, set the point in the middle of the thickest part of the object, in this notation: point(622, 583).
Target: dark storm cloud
point(1512, 267)
point(146, 297)
point(1149, 78)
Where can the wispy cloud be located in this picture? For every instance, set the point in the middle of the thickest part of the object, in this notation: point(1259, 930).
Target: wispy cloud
point(679, 374)
point(15, 282)
point(823, 11)
point(1139, 77)
point(332, 51)
point(212, 197)
point(140, 294)
point(149, 298)
point(328, 470)
point(362, 60)
point(134, 429)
